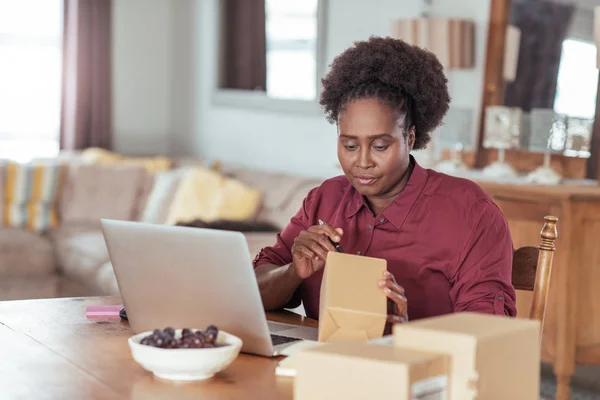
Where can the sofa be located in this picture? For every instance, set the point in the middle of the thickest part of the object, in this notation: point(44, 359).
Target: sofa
point(69, 258)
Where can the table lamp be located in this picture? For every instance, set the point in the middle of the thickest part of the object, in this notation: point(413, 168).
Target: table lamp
point(502, 132)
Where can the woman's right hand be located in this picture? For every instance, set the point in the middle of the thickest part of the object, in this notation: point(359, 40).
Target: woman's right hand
point(310, 248)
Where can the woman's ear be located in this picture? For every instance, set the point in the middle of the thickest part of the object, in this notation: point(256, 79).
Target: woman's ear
point(411, 137)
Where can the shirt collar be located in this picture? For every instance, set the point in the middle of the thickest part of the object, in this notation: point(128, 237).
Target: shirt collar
point(397, 212)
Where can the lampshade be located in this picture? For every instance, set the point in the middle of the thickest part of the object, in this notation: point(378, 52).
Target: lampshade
point(597, 34)
point(511, 53)
point(451, 40)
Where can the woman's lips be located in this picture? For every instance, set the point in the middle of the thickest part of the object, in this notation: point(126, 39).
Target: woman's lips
point(364, 180)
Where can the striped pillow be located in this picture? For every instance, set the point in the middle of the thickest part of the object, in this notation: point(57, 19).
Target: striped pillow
point(30, 193)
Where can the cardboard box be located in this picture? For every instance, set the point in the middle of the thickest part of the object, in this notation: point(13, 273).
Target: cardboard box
point(352, 306)
point(491, 357)
point(362, 371)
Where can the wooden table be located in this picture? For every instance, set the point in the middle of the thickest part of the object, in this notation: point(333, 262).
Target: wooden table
point(572, 325)
point(49, 350)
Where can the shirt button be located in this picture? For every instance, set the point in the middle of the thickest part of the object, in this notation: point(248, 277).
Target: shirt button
point(358, 253)
point(500, 297)
point(381, 219)
point(370, 226)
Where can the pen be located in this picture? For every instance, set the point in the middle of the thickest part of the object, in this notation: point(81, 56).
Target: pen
point(336, 245)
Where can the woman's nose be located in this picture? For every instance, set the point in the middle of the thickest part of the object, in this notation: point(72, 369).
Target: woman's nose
point(365, 160)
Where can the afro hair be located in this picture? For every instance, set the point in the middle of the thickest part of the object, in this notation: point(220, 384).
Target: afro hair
point(408, 78)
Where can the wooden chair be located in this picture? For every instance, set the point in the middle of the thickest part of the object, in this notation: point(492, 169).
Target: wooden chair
point(532, 269)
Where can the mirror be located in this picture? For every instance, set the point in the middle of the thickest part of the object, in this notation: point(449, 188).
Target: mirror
point(271, 48)
point(556, 80)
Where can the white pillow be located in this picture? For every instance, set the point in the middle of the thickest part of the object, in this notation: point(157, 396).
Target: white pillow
point(160, 198)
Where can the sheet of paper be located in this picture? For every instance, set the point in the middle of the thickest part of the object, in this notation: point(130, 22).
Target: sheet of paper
point(387, 340)
point(287, 366)
point(294, 348)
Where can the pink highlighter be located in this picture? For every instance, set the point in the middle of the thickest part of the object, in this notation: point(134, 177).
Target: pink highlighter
point(95, 312)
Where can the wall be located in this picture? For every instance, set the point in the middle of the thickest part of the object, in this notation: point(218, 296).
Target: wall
point(307, 144)
point(142, 75)
point(466, 86)
point(178, 39)
point(302, 144)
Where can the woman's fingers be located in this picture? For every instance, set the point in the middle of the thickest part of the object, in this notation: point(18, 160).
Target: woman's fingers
point(398, 310)
point(334, 234)
point(304, 251)
point(388, 276)
point(396, 319)
point(397, 298)
point(318, 238)
point(315, 243)
point(392, 285)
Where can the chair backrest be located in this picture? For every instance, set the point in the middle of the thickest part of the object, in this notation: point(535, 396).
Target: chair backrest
point(532, 268)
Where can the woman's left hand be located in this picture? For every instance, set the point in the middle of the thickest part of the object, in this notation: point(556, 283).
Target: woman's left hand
point(397, 302)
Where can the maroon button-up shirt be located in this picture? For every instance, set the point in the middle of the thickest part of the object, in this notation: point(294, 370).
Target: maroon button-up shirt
point(447, 244)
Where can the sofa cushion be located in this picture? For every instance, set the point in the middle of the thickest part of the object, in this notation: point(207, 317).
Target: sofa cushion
point(102, 191)
point(31, 287)
point(80, 251)
point(207, 195)
point(281, 215)
point(2, 166)
point(95, 155)
point(276, 187)
point(282, 193)
point(105, 280)
point(30, 194)
point(161, 195)
point(145, 189)
point(25, 253)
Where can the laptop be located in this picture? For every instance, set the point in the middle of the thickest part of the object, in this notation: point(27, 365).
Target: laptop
point(187, 277)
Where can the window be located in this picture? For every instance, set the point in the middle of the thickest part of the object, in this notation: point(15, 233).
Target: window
point(291, 28)
point(30, 78)
point(577, 80)
point(575, 100)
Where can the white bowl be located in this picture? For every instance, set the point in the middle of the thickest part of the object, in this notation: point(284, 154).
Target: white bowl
point(185, 364)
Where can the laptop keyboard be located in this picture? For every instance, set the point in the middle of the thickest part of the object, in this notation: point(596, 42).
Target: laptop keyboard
point(277, 339)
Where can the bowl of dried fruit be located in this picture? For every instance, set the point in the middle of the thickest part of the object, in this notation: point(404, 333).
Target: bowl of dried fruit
point(185, 354)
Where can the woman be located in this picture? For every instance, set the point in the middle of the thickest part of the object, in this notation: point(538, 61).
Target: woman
point(447, 245)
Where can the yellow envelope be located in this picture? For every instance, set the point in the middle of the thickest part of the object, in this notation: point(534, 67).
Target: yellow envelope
point(352, 306)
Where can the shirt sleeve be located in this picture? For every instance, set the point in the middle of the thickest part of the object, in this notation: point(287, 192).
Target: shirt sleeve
point(483, 281)
point(280, 253)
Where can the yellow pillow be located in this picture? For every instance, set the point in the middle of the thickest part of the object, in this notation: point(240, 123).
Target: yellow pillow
point(152, 165)
point(97, 155)
point(206, 195)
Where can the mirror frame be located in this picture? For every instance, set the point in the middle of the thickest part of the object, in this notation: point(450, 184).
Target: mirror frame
point(493, 94)
point(249, 100)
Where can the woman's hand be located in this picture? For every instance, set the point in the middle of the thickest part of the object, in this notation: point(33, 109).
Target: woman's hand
point(310, 248)
point(397, 303)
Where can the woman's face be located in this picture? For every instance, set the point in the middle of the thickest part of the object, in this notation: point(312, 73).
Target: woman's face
point(372, 148)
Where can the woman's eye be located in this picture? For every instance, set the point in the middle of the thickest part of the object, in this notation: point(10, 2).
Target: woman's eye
point(381, 148)
point(350, 147)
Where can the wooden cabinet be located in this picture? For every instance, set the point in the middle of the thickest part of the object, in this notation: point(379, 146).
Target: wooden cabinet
point(572, 328)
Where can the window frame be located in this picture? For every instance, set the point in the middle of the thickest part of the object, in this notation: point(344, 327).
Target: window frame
point(259, 100)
